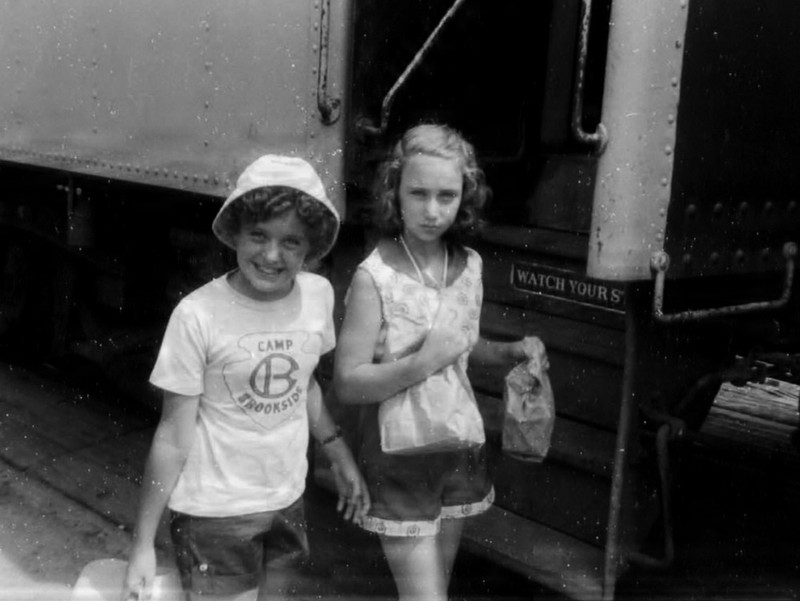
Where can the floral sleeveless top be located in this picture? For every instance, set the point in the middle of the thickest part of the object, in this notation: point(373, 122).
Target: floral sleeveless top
point(409, 307)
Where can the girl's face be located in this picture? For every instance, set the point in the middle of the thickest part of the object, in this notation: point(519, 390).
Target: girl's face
point(270, 254)
point(430, 195)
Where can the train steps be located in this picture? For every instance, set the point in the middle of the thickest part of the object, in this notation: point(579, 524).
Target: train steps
point(756, 423)
point(559, 561)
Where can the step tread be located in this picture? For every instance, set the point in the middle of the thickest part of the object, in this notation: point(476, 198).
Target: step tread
point(559, 561)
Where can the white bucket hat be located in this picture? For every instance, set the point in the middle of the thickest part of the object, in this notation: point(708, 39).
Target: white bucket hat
point(277, 170)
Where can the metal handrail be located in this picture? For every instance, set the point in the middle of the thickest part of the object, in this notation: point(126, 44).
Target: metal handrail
point(599, 138)
point(659, 263)
point(329, 106)
point(364, 124)
point(613, 551)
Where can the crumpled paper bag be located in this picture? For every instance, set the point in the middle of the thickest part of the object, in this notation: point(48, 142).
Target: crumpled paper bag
point(529, 406)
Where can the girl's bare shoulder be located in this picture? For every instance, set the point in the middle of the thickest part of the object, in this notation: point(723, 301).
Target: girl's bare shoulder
point(393, 255)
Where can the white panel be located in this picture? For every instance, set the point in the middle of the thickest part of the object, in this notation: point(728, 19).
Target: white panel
point(181, 93)
point(640, 111)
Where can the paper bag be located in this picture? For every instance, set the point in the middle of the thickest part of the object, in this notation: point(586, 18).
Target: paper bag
point(436, 415)
point(529, 406)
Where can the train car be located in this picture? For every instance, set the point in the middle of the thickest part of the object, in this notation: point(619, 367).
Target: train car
point(644, 218)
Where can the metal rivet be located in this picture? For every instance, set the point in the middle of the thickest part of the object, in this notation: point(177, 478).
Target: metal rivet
point(714, 258)
point(691, 210)
point(740, 256)
point(687, 259)
point(718, 209)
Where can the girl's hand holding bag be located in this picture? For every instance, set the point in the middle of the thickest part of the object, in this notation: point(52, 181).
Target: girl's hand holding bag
point(440, 413)
point(529, 406)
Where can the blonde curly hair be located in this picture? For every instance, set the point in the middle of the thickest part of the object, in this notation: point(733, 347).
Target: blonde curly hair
point(439, 141)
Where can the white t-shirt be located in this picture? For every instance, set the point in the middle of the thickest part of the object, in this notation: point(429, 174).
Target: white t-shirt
point(250, 362)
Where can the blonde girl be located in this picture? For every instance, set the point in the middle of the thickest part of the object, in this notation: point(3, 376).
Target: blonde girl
point(429, 195)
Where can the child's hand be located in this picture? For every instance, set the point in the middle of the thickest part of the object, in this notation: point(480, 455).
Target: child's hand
point(140, 574)
point(354, 501)
point(532, 348)
point(445, 342)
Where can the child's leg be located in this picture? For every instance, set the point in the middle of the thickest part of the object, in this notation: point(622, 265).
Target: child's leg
point(449, 539)
point(416, 565)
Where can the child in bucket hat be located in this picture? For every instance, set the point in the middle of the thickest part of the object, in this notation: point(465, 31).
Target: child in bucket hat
point(271, 173)
point(236, 367)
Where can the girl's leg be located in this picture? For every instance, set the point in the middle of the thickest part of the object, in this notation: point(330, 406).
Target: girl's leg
point(416, 565)
point(449, 539)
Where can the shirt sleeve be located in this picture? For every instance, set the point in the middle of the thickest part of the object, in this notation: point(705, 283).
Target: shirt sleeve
point(181, 361)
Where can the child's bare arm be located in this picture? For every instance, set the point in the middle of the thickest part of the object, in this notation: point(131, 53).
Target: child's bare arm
point(490, 353)
point(171, 444)
point(357, 378)
point(354, 499)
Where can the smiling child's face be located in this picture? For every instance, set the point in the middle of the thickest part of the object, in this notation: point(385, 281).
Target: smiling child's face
point(270, 254)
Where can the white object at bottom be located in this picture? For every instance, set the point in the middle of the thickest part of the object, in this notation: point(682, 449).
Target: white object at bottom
point(101, 580)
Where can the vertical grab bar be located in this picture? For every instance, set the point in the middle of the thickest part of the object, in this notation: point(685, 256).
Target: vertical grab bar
point(613, 551)
point(329, 106)
point(599, 138)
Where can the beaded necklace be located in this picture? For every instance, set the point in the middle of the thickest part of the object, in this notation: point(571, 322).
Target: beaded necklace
point(419, 271)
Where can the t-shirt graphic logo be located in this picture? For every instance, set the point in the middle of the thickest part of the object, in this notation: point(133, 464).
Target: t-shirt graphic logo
point(272, 377)
point(266, 384)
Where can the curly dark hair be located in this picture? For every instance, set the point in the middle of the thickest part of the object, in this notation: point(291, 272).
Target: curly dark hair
point(263, 204)
point(439, 141)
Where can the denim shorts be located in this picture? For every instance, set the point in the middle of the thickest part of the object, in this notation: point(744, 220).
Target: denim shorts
point(411, 494)
point(225, 556)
